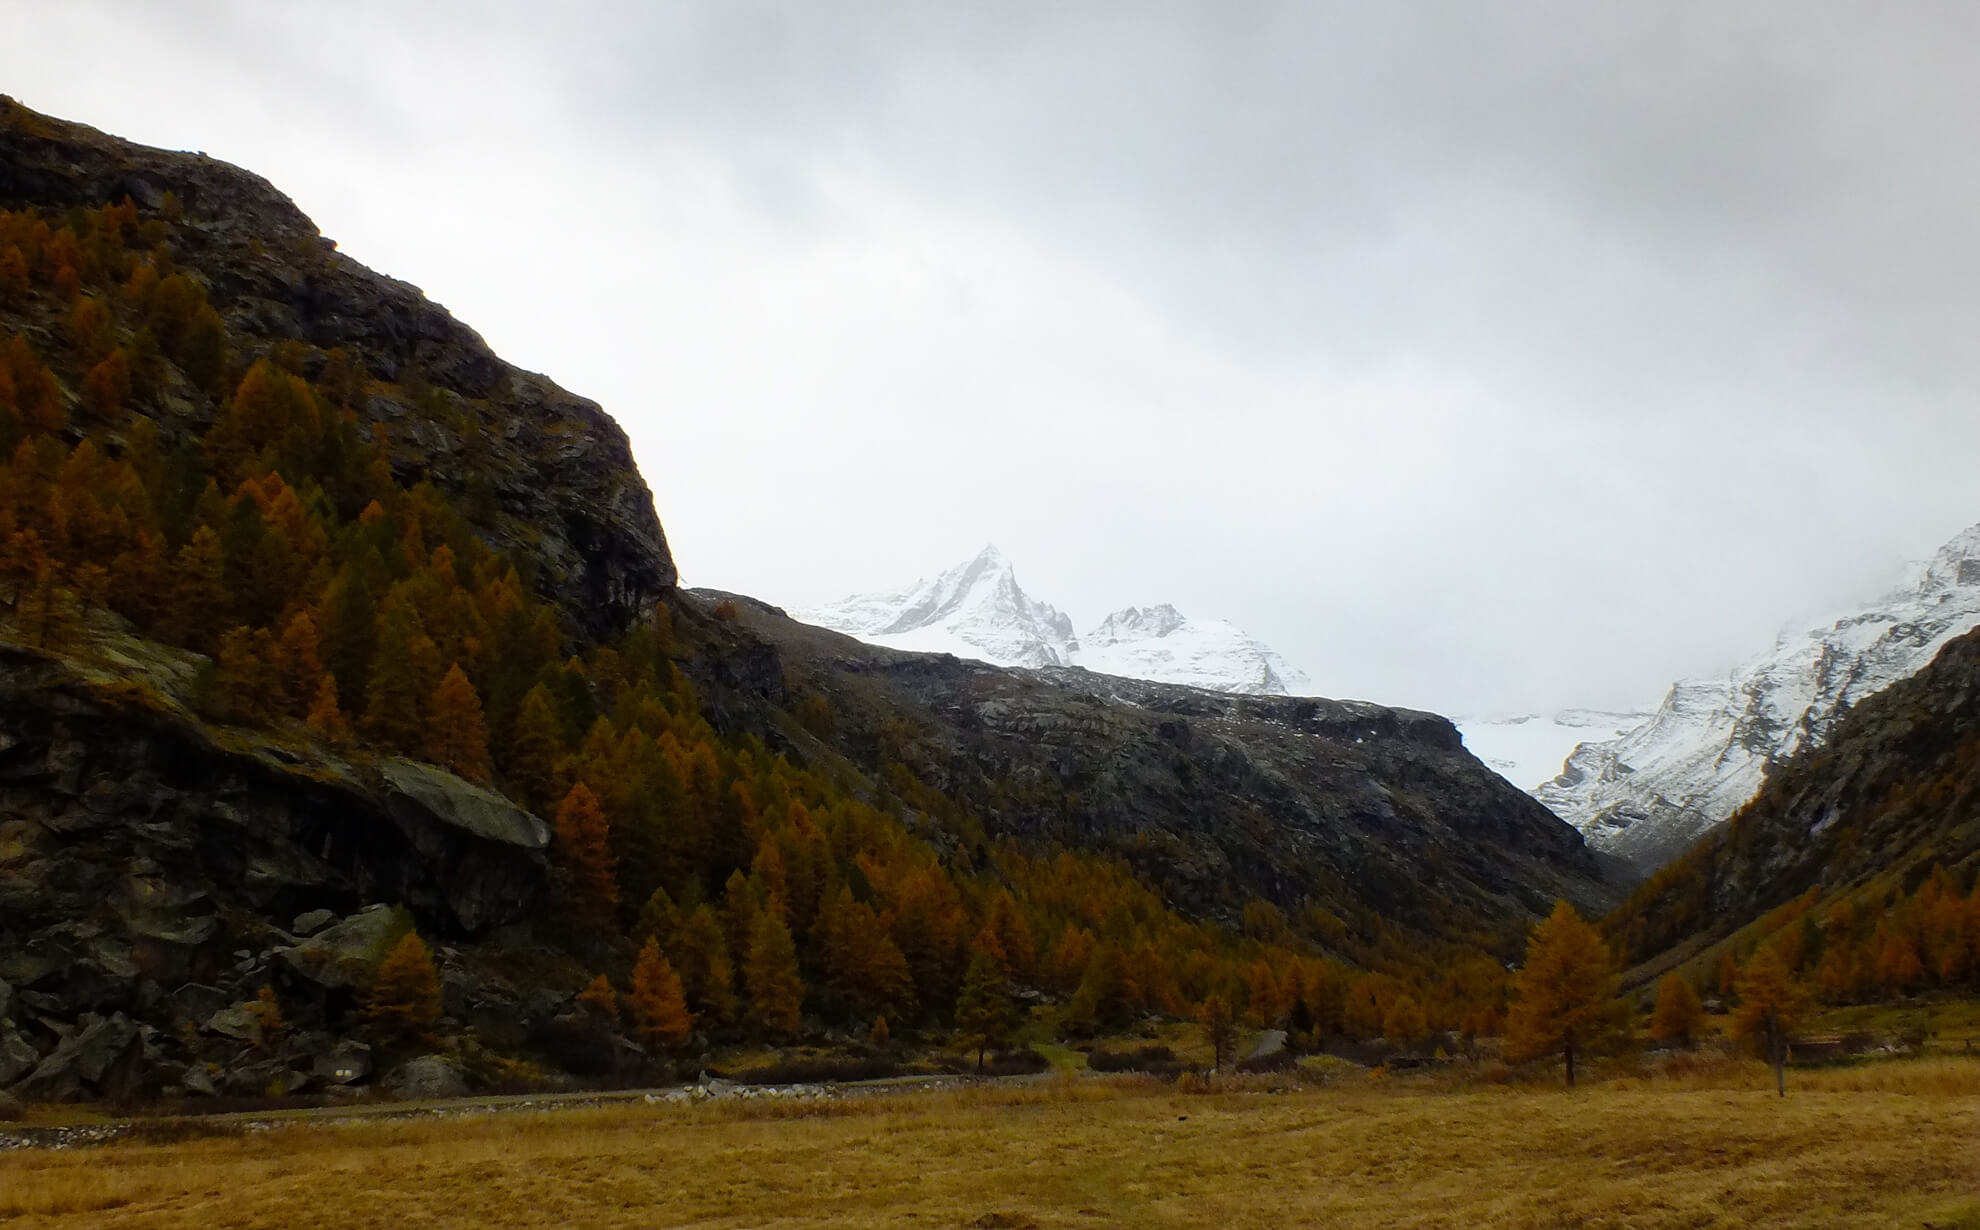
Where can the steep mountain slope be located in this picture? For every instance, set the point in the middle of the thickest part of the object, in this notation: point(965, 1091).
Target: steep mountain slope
point(1369, 812)
point(978, 610)
point(1647, 796)
point(1891, 793)
point(320, 626)
point(549, 475)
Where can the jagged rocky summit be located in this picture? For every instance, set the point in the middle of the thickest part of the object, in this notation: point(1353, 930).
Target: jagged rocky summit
point(1650, 794)
point(978, 610)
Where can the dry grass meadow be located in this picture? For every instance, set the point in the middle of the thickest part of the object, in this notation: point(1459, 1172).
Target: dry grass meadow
point(1886, 1145)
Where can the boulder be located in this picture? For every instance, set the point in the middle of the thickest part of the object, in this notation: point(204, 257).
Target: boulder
point(235, 1022)
point(344, 957)
point(11, 1108)
point(311, 921)
point(462, 804)
point(6, 1001)
point(198, 1080)
point(16, 1057)
point(343, 1064)
point(1269, 1044)
point(424, 1078)
point(101, 1055)
point(195, 1002)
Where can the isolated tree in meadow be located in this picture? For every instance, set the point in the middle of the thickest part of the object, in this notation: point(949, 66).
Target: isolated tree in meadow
point(983, 1010)
point(1771, 1002)
point(1679, 1014)
point(456, 734)
point(657, 1005)
point(1565, 998)
point(405, 995)
point(1219, 1024)
point(584, 848)
point(776, 993)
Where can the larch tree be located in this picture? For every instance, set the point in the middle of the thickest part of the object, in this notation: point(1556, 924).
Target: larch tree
point(1565, 998)
point(657, 1003)
point(325, 719)
point(701, 956)
point(599, 999)
point(405, 995)
point(776, 993)
point(200, 601)
point(1771, 1002)
point(1679, 1013)
point(535, 745)
point(402, 680)
point(584, 847)
point(456, 734)
point(1219, 1024)
point(983, 1009)
point(300, 663)
point(1404, 1023)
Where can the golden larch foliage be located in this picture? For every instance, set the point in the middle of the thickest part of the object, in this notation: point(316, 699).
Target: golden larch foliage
point(456, 734)
point(405, 996)
point(1565, 998)
point(584, 847)
point(657, 1004)
point(1679, 1013)
point(776, 993)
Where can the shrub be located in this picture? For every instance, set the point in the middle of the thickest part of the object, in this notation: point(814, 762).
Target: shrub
point(1157, 1059)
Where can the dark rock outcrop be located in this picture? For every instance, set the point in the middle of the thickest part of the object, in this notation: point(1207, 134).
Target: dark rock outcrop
point(143, 853)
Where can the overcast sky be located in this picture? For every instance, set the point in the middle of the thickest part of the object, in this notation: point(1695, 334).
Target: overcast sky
point(1479, 357)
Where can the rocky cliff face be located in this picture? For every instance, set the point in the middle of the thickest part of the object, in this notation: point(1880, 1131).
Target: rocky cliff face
point(1651, 793)
point(549, 473)
point(152, 870)
point(1367, 811)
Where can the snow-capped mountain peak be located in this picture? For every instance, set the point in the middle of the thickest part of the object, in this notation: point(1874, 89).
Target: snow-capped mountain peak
point(1648, 794)
point(978, 610)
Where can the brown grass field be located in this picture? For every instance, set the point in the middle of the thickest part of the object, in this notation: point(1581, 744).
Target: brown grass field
point(1895, 1144)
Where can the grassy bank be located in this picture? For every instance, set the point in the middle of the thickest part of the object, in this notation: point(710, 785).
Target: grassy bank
point(1886, 1145)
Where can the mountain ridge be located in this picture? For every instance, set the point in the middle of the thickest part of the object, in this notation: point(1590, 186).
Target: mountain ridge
point(1648, 795)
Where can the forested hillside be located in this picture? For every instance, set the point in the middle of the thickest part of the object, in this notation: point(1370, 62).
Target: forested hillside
point(350, 703)
point(1855, 863)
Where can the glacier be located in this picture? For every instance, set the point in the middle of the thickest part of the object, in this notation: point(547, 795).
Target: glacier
point(978, 610)
point(1649, 794)
point(1528, 749)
